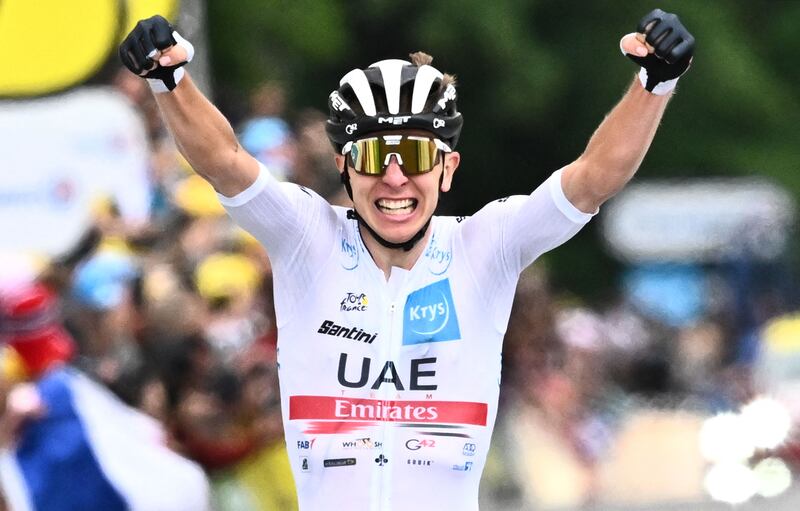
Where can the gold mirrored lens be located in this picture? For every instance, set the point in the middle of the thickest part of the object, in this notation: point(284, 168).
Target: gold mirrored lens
point(416, 155)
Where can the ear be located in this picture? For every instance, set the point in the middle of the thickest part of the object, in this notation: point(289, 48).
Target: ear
point(339, 160)
point(451, 161)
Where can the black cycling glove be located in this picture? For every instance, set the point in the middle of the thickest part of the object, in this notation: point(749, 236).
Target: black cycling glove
point(673, 49)
point(141, 48)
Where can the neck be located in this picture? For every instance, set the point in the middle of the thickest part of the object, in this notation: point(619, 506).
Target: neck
point(386, 258)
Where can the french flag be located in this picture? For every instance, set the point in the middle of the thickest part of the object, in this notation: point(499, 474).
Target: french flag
point(89, 451)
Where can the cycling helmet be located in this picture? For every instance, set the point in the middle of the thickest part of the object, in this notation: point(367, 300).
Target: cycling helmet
point(389, 95)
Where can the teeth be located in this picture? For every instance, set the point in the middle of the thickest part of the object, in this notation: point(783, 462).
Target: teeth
point(396, 206)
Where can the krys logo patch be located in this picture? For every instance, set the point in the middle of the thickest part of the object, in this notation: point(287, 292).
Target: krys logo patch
point(430, 315)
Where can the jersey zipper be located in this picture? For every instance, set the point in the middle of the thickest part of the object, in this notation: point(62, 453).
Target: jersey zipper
point(388, 431)
point(380, 498)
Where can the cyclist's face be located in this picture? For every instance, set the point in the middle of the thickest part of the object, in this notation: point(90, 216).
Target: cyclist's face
point(397, 205)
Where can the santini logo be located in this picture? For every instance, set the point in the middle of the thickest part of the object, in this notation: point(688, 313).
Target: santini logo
point(357, 334)
point(430, 316)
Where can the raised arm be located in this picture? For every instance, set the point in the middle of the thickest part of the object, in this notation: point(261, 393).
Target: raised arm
point(663, 47)
point(204, 136)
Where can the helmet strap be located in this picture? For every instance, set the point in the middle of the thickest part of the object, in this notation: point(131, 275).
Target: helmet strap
point(407, 245)
point(352, 214)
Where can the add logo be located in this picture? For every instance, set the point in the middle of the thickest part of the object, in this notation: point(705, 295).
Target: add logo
point(306, 444)
point(348, 252)
point(415, 445)
point(354, 302)
point(430, 315)
point(439, 258)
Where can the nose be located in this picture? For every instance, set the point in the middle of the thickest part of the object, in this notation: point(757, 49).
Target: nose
point(394, 176)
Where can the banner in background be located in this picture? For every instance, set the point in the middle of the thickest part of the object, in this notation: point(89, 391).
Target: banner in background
point(59, 154)
point(701, 220)
point(52, 45)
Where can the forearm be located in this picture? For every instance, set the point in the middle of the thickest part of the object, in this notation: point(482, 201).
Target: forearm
point(620, 143)
point(206, 139)
point(615, 150)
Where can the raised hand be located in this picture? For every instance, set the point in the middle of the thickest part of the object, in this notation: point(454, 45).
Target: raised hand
point(663, 47)
point(154, 50)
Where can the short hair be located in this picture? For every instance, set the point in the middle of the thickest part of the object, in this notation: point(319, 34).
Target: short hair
point(420, 58)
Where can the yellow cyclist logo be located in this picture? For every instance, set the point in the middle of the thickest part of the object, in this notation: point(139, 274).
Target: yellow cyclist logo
point(51, 45)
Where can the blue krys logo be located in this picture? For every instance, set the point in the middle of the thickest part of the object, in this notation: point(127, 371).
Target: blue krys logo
point(348, 253)
point(438, 258)
point(430, 315)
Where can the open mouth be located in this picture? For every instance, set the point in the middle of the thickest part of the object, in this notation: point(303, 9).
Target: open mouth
point(396, 206)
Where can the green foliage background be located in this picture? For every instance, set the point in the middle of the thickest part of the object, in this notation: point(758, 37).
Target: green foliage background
point(535, 79)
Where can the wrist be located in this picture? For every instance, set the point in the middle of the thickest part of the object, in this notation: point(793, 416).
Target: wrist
point(158, 86)
point(660, 89)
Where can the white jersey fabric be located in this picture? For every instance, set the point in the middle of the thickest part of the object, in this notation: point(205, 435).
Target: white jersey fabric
point(389, 388)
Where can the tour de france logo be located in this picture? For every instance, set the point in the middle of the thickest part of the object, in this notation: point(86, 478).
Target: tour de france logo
point(354, 302)
point(429, 315)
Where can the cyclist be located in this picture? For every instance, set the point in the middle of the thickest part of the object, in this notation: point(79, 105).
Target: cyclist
point(391, 319)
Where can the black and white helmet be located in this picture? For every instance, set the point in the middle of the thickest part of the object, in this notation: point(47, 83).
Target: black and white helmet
point(393, 94)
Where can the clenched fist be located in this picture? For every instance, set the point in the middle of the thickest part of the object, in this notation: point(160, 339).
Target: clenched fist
point(154, 50)
point(663, 47)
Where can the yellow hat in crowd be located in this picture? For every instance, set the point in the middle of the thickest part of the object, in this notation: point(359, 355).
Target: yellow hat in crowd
point(226, 276)
point(197, 198)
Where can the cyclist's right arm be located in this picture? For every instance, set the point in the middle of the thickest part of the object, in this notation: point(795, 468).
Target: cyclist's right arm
point(153, 50)
point(206, 139)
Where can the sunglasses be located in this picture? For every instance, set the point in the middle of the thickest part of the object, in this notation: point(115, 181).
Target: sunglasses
point(415, 155)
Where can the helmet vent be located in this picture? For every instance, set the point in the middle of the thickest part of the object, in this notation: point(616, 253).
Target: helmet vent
point(360, 85)
point(391, 72)
point(426, 77)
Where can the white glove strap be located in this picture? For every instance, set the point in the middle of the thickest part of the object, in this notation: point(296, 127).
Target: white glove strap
point(662, 88)
point(156, 85)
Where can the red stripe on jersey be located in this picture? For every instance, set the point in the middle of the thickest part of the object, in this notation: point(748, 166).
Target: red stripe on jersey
point(352, 409)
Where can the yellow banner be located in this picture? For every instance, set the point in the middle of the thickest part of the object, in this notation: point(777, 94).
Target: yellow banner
point(50, 45)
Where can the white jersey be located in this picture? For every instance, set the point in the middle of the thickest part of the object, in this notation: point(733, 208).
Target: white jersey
point(389, 388)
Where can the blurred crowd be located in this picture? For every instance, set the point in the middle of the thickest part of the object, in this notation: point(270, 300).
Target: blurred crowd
point(175, 316)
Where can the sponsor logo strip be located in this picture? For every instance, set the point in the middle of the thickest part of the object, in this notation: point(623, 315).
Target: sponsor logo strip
point(422, 413)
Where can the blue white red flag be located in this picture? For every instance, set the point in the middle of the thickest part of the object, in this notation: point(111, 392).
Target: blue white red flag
point(92, 452)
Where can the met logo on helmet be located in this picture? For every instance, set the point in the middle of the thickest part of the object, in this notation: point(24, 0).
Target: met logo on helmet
point(397, 120)
point(337, 102)
point(429, 315)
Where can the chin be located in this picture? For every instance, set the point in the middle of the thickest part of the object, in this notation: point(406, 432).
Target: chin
point(398, 232)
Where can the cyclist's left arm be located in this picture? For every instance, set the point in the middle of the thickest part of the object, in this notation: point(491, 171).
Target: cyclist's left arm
point(615, 151)
point(663, 48)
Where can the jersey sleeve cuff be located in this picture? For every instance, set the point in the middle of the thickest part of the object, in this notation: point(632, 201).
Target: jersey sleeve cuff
point(563, 204)
point(246, 195)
